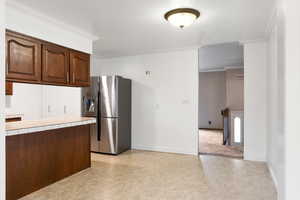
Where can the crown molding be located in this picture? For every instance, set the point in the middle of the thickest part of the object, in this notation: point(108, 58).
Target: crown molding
point(259, 40)
point(221, 69)
point(219, 42)
point(13, 5)
point(211, 70)
point(233, 67)
point(150, 52)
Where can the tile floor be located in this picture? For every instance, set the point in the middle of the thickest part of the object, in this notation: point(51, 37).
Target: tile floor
point(143, 175)
point(210, 142)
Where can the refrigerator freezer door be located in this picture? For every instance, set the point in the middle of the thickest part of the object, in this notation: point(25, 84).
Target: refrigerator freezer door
point(89, 108)
point(108, 140)
point(89, 101)
point(109, 96)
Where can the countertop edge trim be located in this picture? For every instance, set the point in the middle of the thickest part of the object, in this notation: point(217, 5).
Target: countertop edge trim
point(48, 127)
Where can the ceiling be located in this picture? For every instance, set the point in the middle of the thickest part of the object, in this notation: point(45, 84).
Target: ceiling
point(131, 27)
point(220, 57)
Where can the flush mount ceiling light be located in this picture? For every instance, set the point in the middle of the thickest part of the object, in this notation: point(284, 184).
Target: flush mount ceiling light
point(182, 17)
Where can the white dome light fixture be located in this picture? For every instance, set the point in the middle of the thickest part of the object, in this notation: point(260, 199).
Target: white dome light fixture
point(182, 17)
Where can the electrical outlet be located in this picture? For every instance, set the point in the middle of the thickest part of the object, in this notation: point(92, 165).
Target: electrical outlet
point(148, 73)
point(65, 109)
point(185, 101)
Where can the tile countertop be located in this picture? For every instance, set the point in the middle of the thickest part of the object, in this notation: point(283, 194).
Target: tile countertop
point(30, 126)
point(15, 115)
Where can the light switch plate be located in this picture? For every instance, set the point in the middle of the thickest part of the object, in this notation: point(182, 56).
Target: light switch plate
point(185, 101)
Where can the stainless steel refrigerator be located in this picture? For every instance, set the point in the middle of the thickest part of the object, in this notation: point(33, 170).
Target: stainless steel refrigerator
point(109, 100)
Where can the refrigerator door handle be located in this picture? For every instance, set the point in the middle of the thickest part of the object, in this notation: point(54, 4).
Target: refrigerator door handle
point(98, 117)
point(83, 105)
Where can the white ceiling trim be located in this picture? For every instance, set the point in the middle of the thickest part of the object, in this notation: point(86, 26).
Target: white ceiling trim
point(221, 69)
point(261, 40)
point(17, 6)
point(156, 51)
point(233, 67)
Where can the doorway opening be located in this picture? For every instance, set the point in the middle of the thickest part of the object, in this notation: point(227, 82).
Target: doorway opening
point(221, 100)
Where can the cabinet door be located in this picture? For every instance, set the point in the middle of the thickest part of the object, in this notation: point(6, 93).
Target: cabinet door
point(8, 88)
point(80, 68)
point(55, 66)
point(23, 58)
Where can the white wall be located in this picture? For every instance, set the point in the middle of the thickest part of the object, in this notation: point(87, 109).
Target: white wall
point(255, 108)
point(2, 102)
point(292, 98)
point(27, 21)
point(212, 99)
point(275, 102)
point(43, 101)
point(164, 104)
point(61, 101)
point(235, 89)
point(26, 100)
point(284, 98)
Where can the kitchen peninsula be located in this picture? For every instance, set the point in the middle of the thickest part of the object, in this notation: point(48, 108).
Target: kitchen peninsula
point(41, 152)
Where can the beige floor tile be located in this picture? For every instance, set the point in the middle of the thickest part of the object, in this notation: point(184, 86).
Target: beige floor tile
point(142, 175)
point(210, 142)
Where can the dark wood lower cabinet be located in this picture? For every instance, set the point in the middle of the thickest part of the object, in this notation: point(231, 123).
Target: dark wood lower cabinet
point(14, 119)
point(36, 160)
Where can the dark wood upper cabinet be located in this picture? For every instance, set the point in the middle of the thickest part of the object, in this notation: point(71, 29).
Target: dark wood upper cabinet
point(79, 68)
point(30, 60)
point(55, 65)
point(23, 58)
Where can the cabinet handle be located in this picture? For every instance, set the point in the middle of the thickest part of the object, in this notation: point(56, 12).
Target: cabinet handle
point(73, 77)
point(68, 77)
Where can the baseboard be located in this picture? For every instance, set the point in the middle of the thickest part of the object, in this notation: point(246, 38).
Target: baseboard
point(254, 157)
point(212, 129)
point(164, 149)
point(273, 176)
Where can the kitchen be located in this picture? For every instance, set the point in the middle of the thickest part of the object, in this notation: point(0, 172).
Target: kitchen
point(60, 55)
point(63, 138)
